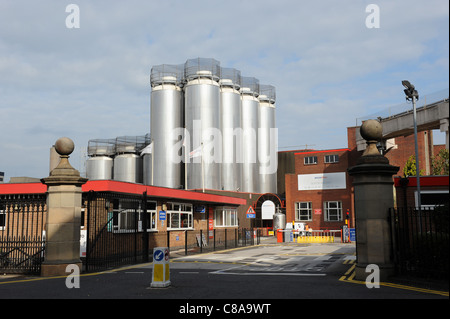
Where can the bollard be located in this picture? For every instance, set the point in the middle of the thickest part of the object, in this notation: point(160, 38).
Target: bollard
point(279, 236)
point(161, 272)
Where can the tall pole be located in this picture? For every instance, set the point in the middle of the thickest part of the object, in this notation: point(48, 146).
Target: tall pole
point(411, 93)
point(419, 202)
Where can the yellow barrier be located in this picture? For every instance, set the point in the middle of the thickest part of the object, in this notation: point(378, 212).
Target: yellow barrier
point(315, 239)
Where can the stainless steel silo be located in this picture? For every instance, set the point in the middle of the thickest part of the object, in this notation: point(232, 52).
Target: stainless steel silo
point(231, 129)
point(163, 165)
point(99, 165)
point(127, 162)
point(267, 140)
point(202, 121)
point(250, 108)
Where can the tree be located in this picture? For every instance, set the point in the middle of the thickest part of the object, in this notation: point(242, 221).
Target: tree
point(410, 167)
point(439, 163)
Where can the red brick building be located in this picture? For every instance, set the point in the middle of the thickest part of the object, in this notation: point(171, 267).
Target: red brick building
point(317, 188)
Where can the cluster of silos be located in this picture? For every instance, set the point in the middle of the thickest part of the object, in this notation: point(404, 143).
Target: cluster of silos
point(205, 121)
point(118, 159)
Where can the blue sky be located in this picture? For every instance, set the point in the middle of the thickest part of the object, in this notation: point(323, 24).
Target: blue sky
point(328, 68)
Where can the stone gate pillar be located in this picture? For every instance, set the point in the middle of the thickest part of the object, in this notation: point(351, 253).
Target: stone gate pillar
point(373, 191)
point(64, 201)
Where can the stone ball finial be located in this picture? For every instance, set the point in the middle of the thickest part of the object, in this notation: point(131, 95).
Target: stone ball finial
point(371, 130)
point(64, 146)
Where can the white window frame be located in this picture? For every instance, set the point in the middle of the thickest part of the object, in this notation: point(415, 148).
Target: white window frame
point(125, 220)
point(306, 160)
point(298, 211)
point(125, 223)
point(329, 159)
point(175, 212)
point(327, 210)
point(225, 217)
point(416, 197)
point(153, 222)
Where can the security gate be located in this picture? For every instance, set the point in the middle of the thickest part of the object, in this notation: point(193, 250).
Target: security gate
point(22, 235)
point(116, 230)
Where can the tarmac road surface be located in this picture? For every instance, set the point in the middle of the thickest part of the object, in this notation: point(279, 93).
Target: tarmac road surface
point(268, 273)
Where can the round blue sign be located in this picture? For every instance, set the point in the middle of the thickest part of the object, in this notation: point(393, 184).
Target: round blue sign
point(158, 255)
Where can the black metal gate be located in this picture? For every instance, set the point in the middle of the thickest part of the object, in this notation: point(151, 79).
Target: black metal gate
point(22, 235)
point(119, 230)
point(116, 230)
point(420, 241)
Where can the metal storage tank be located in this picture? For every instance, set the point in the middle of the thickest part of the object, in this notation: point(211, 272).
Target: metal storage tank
point(166, 117)
point(267, 140)
point(99, 165)
point(127, 162)
point(147, 169)
point(146, 156)
point(231, 129)
point(279, 221)
point(250, 108)
point(202, 99)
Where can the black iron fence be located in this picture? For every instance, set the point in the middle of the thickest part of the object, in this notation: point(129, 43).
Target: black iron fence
point(201, 241)
point(421, 241)
point(22, 234)
point(120, 229)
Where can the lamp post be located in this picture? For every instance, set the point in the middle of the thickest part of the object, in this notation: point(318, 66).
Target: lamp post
point(412, 94)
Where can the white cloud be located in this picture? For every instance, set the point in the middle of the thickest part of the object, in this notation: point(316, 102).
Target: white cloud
point(93, 82)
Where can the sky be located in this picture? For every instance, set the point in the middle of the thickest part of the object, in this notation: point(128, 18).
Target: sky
point(331, 62)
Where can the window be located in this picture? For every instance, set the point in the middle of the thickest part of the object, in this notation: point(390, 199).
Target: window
point(333, 211)
point(124, 220)
point(151, 216)
point(331, 158)
point(310, 160)
point(127, 216)
point(179, 215)
point(431, 198)
point(303, 211)
point(225, 217)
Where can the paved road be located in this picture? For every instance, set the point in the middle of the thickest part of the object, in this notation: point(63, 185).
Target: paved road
point(264, 273)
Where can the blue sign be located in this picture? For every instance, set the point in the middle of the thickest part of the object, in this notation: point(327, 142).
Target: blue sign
point(251, 212)
point(162, 215)
point(352, 234)
point(200, 209)
point(158, 255)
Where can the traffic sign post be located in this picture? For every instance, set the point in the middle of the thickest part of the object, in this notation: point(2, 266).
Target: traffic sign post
point(251, 212)
point(161, 273)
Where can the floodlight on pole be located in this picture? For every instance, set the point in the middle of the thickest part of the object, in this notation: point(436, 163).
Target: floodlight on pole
point(412, 94)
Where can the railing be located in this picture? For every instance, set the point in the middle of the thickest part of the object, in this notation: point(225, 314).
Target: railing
point(309, 236)
point(22, 235)
point(119, 232)
point(200, 241)
point(420, 240)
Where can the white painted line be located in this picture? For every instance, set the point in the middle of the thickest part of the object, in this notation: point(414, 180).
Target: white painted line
point(188, 272)
point(266, 274)
point(134, 272)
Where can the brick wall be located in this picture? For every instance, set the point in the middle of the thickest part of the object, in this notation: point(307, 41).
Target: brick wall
point(318, 197)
